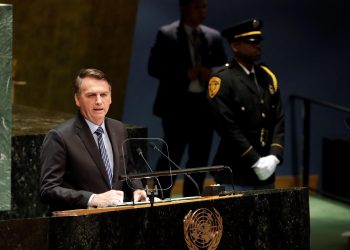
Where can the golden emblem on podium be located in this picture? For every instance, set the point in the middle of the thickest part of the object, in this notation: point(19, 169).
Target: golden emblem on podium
point(203, 229)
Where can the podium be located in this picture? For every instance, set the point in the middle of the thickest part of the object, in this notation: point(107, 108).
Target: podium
point(267, 219)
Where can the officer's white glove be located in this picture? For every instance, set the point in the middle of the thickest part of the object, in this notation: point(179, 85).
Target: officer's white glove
point(265, 167)
point(256, 163)
point(271, 162)
point(259, 171)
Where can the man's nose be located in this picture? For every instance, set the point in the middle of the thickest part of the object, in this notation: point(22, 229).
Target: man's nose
point(98, 99)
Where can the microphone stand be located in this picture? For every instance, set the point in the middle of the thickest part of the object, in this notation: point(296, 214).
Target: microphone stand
point(154, 191)
point(177, 172)
point(152, 145)
point(154, 174)
point(151, 192)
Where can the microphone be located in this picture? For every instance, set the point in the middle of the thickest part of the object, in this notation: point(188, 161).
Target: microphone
point(140, 153)
point(154, 146)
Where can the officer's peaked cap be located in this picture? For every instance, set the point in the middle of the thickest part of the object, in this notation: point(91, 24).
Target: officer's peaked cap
point(249, 30)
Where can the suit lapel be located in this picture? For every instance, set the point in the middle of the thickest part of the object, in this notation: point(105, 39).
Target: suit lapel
point(83, 131)
point(183, 44)
point(249, 83)
point(245, 79)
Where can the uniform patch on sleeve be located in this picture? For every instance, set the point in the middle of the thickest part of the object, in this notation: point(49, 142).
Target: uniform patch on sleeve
point(214, 86)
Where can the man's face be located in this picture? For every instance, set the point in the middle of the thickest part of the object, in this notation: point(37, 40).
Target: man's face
point(246, 51)
point(195, 12)
point(94, 99)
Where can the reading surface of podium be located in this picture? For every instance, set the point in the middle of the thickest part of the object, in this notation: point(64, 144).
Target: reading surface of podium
point(272, 219)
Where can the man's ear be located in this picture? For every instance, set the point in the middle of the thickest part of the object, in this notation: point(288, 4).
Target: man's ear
point(76, 100)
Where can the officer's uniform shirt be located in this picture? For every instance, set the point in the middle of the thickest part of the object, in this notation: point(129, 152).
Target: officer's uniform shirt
point(248, 116)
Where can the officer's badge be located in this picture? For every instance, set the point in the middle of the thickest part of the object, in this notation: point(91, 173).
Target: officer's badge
point(214, 86)
point(271, 89)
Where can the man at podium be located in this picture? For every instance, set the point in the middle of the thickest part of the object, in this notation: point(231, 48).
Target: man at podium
point(82, 159)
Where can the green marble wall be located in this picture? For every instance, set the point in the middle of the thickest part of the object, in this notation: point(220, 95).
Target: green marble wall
point(5, 105)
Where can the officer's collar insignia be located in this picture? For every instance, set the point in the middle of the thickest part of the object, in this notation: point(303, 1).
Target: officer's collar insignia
point(214, 86)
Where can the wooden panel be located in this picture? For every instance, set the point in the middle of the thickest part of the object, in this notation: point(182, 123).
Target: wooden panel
point(54, 39)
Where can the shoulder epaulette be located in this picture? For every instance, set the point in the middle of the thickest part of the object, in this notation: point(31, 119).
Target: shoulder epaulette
point(220, 68)
point(272, 75)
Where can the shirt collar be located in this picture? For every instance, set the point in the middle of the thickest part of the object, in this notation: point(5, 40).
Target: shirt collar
point(189, 29)
point(246, 70)
point(93, 126)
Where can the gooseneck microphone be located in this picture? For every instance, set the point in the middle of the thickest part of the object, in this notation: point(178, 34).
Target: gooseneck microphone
point(154, 146)
point(140, 153)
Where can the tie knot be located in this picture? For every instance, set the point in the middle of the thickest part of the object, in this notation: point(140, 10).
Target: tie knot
point(99, 131)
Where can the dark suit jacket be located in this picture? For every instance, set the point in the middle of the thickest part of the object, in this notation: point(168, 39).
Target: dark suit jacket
point(72, 167)
point(170, 60)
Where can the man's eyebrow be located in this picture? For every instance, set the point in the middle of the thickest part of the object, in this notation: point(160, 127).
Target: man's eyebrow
point(98, 92)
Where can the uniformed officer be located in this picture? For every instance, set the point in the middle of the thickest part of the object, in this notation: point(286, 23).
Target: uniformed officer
point(247, 110)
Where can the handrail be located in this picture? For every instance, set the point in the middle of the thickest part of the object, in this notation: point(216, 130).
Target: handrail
point(306, 131)
point(322, 103)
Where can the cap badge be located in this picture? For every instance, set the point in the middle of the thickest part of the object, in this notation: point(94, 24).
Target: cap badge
point(256, 23)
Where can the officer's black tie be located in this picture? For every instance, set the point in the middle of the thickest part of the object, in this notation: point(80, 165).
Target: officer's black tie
point(253, 78)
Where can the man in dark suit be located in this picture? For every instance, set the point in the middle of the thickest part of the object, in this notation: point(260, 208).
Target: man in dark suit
point(182, 58)
point(83, 158)
point(247, 109)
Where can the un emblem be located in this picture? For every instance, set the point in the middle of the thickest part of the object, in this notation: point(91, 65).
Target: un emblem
point(203, 229)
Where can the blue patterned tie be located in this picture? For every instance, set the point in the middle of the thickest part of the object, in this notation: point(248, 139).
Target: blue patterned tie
point(104, 154)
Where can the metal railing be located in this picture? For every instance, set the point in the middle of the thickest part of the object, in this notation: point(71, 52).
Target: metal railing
point(306, 131)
